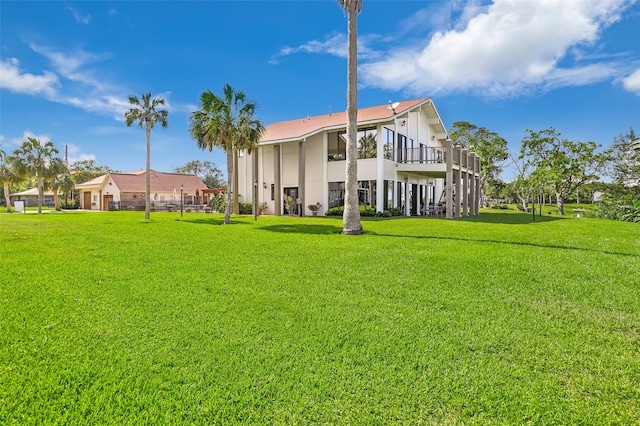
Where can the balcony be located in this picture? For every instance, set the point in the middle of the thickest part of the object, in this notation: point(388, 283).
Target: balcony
point(422, 155)
point(434, 161)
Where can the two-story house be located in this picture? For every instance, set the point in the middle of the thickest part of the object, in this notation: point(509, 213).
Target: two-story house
point(405, 160)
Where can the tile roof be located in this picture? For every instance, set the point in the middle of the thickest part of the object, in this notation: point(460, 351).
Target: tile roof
point(32, 192)
point(160, 182)
point(304, 127)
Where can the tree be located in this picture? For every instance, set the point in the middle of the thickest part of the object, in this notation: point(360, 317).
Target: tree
point(147, 113)
point(84, 170)
point(566, 165)
point(489, 146)
point(522, 185)
point(351, 214)
point(209, 172)
point(226, 122)
point(625, 154)
point(35, 158)
point(58, 179)
point(7, 176)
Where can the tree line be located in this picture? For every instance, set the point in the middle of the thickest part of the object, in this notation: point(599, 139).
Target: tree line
point(550, 166)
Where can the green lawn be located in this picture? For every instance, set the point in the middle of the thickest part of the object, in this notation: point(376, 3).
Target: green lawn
point(106, 318)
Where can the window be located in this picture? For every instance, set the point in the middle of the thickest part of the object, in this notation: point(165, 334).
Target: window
point(336, 194)
point(367, 143)
point(388, 138)
point(337, 146)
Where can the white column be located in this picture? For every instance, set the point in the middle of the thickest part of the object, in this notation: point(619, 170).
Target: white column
point(449, 178)
point(472, 189)
point(380, 191)
point(465, 182)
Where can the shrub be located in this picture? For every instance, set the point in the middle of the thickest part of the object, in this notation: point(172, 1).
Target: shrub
point(499, 206)
point(336, 211)
point(632, 213)
point(245, 208)
point(217, 204)
point(367, 212)
point(69, 205)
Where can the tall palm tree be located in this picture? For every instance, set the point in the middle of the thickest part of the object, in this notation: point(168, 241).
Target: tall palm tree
point(226, 122)
point(57, 179)
point(7, 176)
point(147, 113)
point(35, 158)
point(351, 215)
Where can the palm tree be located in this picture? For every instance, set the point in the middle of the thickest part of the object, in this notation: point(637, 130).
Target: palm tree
point(34, 158)
point(226, 122)
point(146, 113)
point(57, 179)
point(351, 215)
point(7, 176)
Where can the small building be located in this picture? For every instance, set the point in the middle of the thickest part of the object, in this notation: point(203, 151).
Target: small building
point(126, 191)
point(30, 197)
point(405, 160)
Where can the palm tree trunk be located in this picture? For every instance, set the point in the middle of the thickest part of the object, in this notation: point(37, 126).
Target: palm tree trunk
point(351, 215)
point(227, 211)
point(56, 201)
point(40, 193)
point(236, 206)
point(147, 201)
point(6, 195)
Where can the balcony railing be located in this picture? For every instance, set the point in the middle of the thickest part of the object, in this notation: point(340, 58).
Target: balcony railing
point(421, 155)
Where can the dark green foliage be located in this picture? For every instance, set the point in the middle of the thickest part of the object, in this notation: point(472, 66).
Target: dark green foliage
point(246, 208)
point(217, 204)
point(69, 204)
point(632, 212)
point(499, 206)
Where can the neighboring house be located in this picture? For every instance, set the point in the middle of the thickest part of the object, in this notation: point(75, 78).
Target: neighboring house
point(406, 160)
point(30, 197)
point(122, 191)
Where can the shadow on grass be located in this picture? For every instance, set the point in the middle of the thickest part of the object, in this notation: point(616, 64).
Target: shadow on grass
point(300, 228)
point(511, 243)
point(513, 218)
point(210, 221)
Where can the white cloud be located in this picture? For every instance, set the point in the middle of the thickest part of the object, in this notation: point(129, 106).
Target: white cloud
point(83, 89)
point(13, 79)
point(80, 19)
point(502, 50)
point(73, 151)
point(335, 44)
point(71, 65)
point(632, 82)
point(29, 134)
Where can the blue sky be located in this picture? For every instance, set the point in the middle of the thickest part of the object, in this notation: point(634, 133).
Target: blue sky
point(68, 67)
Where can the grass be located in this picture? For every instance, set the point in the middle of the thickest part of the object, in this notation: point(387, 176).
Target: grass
point(586, 210)
point(110, 319)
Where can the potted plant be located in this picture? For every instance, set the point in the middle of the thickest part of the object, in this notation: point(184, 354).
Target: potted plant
point(262, 206)
point(314, 208)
